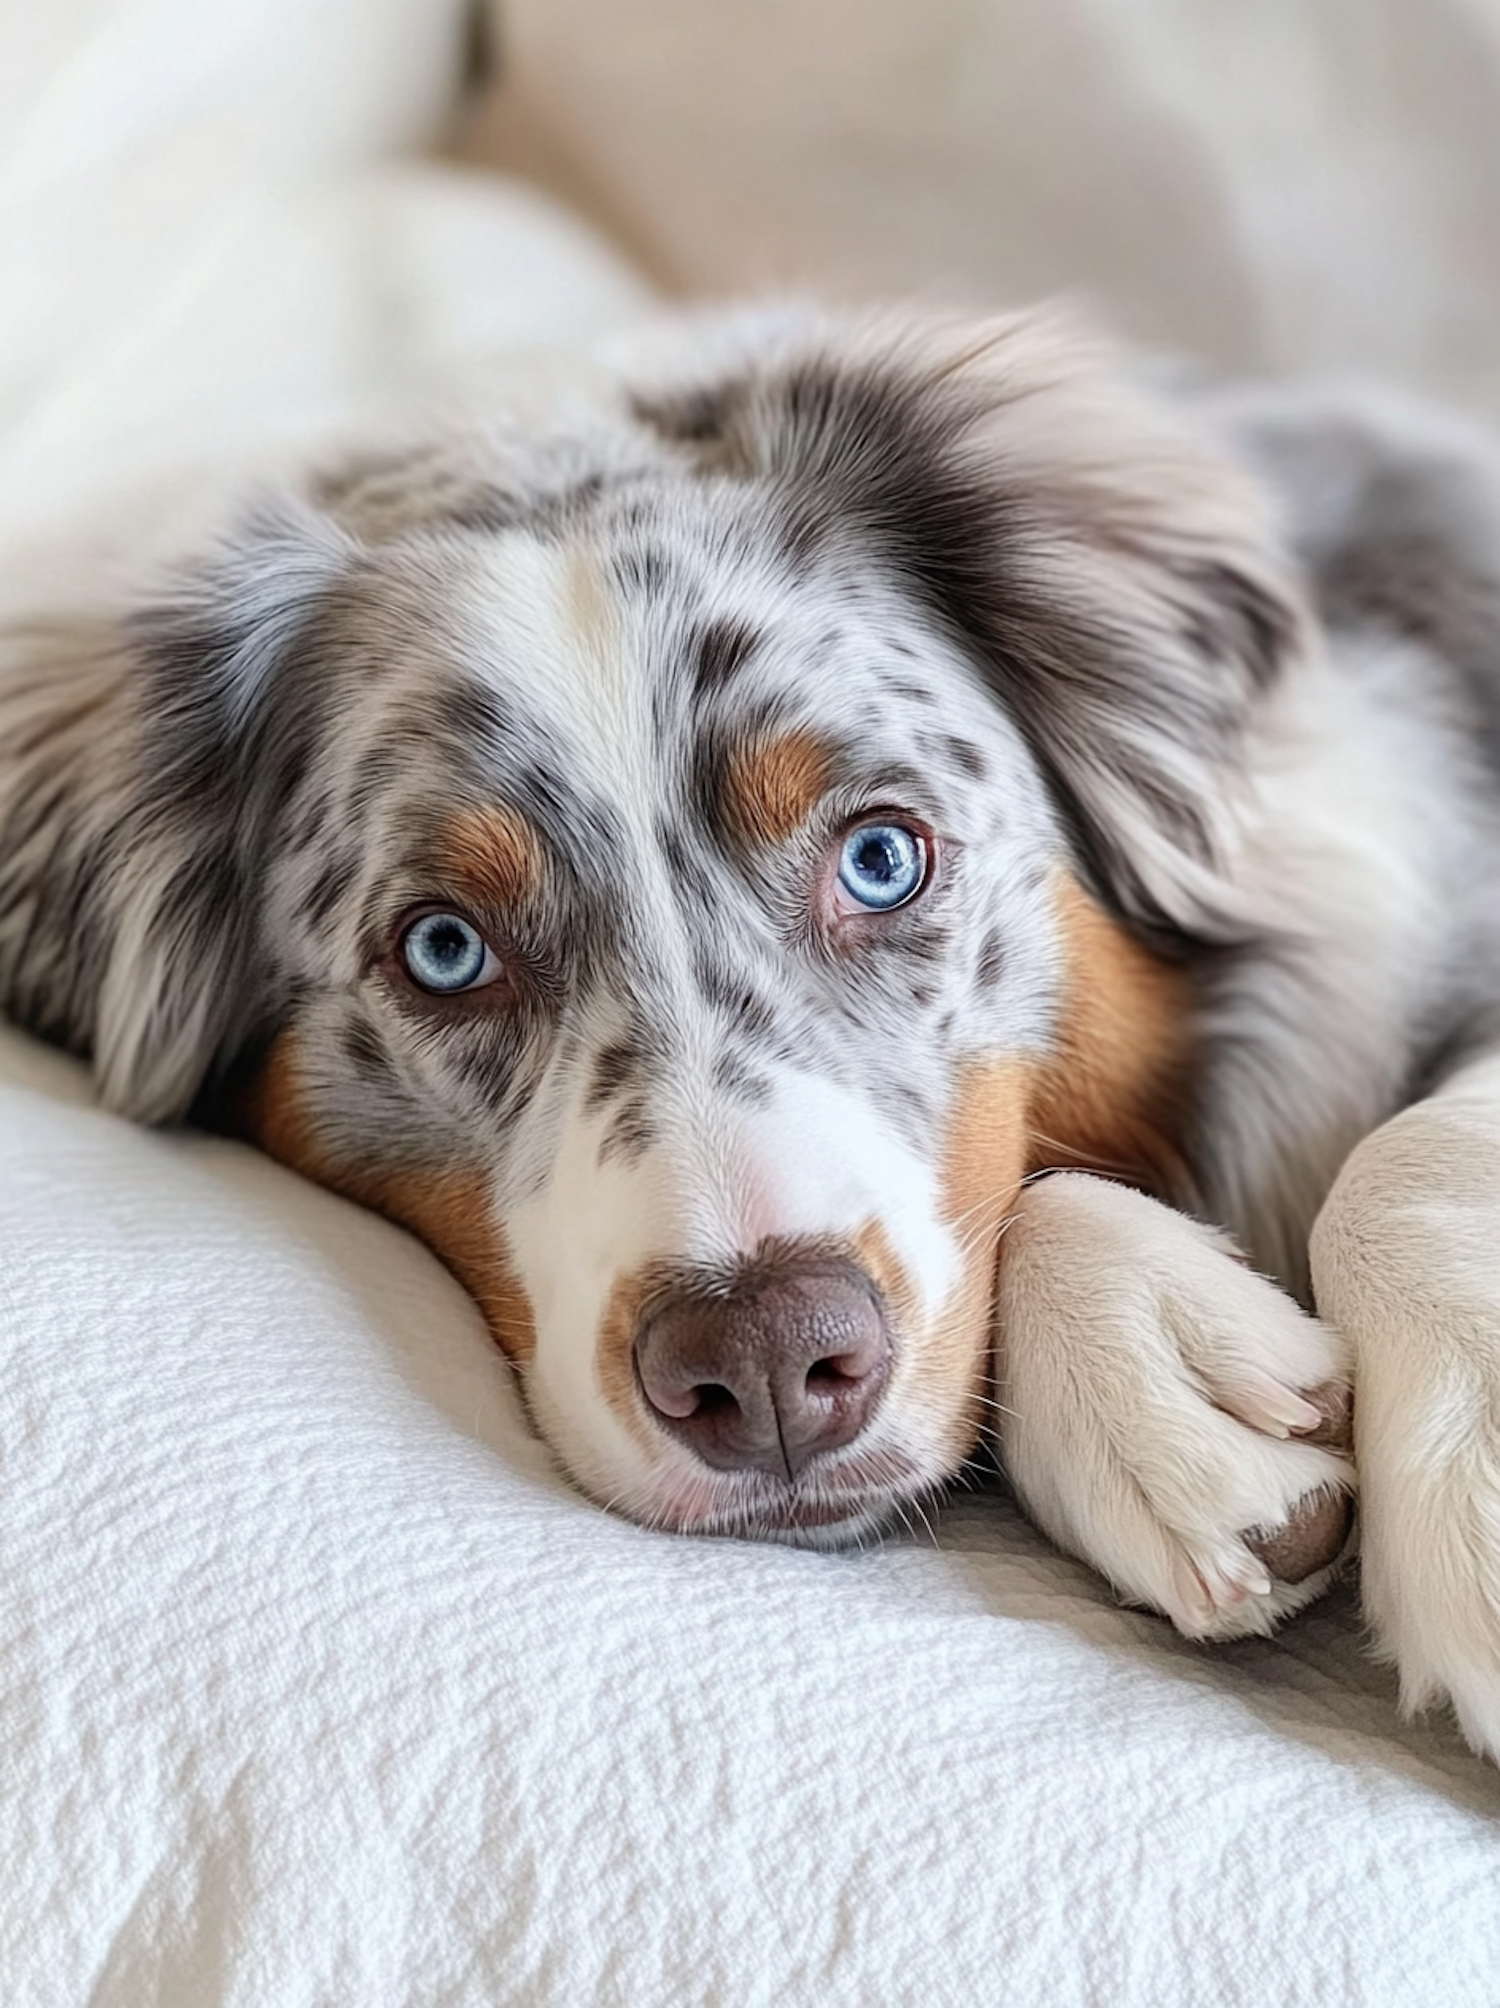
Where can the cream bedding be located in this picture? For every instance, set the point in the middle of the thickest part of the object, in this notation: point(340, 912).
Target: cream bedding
point(1274, 184)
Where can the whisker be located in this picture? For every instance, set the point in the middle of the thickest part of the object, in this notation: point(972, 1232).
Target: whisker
point(1102, 1166)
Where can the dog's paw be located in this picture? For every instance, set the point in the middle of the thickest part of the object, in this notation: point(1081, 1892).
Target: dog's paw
point(1167, 1414)
point(1404, 1256)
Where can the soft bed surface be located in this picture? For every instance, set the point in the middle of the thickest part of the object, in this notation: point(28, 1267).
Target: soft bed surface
point(320, 1687)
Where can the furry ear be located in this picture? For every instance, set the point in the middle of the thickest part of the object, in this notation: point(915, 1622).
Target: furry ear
point(1120, 589)
point(143, 762)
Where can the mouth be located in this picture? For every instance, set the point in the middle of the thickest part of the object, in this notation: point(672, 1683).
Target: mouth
point(818, 1516)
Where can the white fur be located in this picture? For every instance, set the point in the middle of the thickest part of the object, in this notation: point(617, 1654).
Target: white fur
point(1406, 1259)
point(817, 1162)
point(1148, 1380)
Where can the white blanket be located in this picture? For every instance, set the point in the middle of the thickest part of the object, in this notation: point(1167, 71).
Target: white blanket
point(320, 1687)
point(317, 1685)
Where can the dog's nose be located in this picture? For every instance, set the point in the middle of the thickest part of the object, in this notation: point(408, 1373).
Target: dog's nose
point(761, 1371)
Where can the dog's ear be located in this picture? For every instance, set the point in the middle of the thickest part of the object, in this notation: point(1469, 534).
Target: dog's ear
point(144, 761)
point(1119, 586)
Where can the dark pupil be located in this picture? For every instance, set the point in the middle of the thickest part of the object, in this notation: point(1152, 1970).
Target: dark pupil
point(877, 858)
point(447, 944)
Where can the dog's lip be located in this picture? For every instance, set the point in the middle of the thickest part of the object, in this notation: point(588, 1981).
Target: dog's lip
point(811, 1513)
point(856, 1510)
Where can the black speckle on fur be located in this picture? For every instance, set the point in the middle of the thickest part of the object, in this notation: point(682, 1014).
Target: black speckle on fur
point(966, 757)
point(733, 1076)
point(693, 886)
point(645, 571)
point(990, 967)
point(365, 1051)
point(716, 652)
point(690, 418)
point(333, 888)
point(1236, 619)
point(735, 998)
point(616, 1066)
point(473, 715)
point(629, 1135)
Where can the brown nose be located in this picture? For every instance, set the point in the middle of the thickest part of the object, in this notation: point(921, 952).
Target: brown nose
point(764, 1368)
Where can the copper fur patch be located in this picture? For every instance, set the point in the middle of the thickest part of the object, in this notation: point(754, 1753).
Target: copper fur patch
point(614, 1352)
point(983, 1164)
point(449, 1210)
point(1112, 1096)
point(1109, 1098)
point(871, 1249)
point(772, 787)
point(494, 855)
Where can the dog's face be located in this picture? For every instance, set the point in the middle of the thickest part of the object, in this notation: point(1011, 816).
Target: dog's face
point(647, 860)
point(669, 996)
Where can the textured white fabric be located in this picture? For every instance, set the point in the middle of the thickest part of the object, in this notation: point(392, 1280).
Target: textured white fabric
point(318, 1686)
point(1282, 184)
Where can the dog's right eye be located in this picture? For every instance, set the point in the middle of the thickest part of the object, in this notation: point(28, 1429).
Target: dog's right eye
point(443, 953)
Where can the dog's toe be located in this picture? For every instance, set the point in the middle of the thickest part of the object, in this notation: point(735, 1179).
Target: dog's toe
point(1312, 1536)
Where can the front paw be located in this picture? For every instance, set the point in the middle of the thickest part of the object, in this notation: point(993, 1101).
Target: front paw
point(1170, 1416)
point(1404, 1256)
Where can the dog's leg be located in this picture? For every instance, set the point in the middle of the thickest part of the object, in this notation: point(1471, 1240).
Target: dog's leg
point(1406, 1260)
point(1157, 1420)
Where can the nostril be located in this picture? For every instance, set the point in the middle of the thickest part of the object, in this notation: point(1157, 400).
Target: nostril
point(715, 1400)
point(707, 1399)
point(682, 1403)
point(677, 1403)
point(837, 1372)
point(789, 1362)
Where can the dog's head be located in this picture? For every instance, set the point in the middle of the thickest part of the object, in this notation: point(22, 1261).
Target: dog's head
point(689, 862)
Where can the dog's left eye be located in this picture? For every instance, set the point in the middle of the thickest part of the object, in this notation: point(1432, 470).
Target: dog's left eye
point(444, 954)
point(882, 866)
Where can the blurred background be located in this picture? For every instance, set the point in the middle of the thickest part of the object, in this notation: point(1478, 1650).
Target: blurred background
point(226, 222)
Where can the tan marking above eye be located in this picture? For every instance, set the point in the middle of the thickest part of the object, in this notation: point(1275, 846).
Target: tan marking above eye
point(774, 785)
point(449, 1209)
point(493, 854)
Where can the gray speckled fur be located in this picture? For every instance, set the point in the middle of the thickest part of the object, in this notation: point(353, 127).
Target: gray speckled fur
point(1011, 595)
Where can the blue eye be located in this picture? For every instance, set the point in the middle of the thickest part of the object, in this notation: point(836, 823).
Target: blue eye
point(882, 865)
point(445, 954)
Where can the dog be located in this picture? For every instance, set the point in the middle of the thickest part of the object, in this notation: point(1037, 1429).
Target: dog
point(871, 883)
